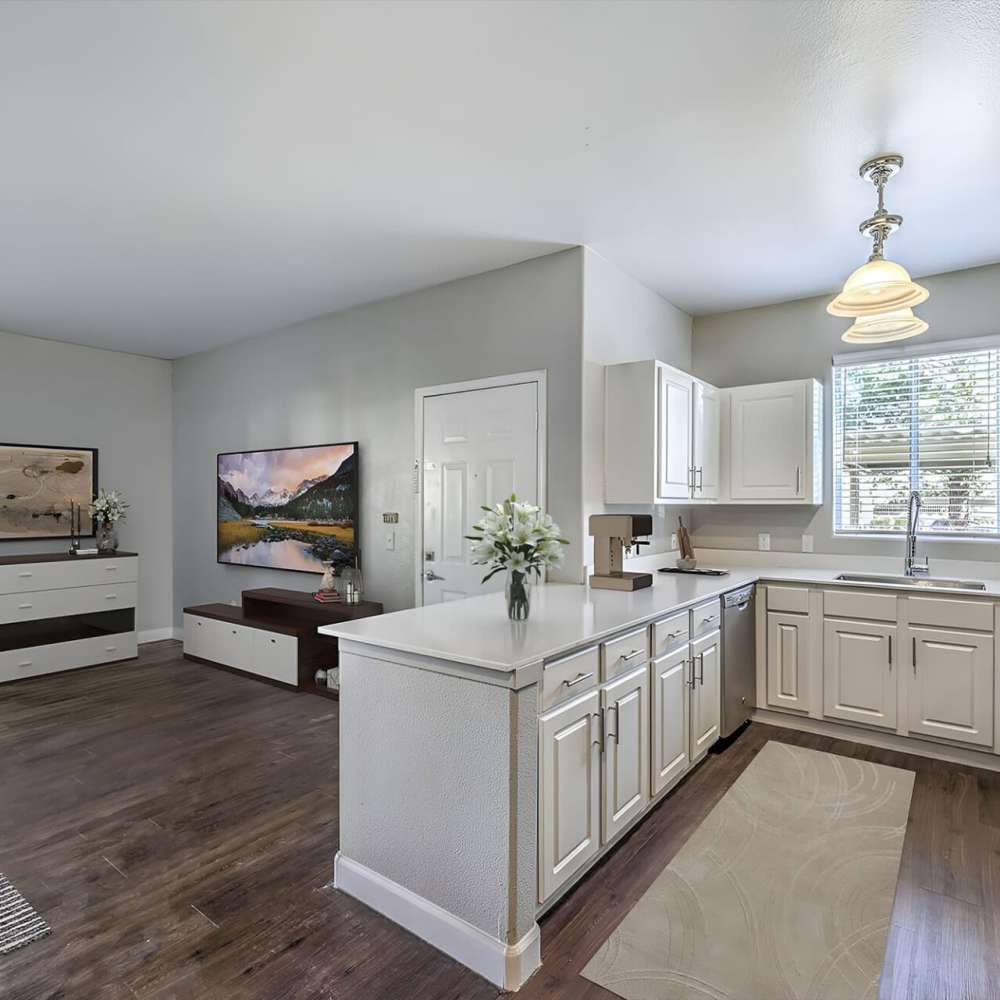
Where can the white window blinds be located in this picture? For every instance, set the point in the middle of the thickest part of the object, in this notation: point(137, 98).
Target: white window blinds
point(926, 423)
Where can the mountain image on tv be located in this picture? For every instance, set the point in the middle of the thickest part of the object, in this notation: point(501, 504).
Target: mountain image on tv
point(288, 508)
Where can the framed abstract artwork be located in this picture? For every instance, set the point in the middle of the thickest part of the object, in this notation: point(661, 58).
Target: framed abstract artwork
point(38, 485)
point(288, 508)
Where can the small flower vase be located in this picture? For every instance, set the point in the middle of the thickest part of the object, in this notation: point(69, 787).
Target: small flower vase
point(518, 593)
point(107, 537)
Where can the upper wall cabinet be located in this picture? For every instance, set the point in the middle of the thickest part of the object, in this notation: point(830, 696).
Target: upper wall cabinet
point(776, 442)
point(662, 435)
point(672, 438)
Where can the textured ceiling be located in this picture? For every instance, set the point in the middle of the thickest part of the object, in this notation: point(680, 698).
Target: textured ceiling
point(177, 175)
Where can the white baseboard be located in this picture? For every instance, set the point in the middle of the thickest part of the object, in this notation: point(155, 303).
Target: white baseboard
point(159, 634)
point(506, 966)
point(985, 759)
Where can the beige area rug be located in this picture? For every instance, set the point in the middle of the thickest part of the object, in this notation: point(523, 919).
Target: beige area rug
point(783, 893)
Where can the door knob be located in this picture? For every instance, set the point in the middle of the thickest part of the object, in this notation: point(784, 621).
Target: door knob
point(431, 575)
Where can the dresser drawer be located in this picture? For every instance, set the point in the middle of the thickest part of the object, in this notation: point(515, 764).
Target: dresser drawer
point(950, 612)
point(706, 618)
point(34, 605)
point(274, 655)
point(875, 605)
point(624, 653)
point(23, 577)
point(16, 664)
point(670, 632)
point(570, 676)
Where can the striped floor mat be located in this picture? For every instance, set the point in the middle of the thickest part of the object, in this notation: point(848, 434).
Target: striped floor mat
point(19, 923)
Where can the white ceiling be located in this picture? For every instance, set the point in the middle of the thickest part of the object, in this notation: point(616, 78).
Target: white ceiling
point(178, 175)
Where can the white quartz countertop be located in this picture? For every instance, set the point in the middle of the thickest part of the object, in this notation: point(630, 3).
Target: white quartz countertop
point(566, 616)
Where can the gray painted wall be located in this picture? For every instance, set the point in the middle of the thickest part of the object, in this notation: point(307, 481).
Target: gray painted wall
point(622, 321)
point(351, 376)
point(797, 340)
point(61, 394)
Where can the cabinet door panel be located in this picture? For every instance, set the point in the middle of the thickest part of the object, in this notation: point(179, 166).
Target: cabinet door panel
point(673, 447)
point(951, 687)
point(706, 706)
point(626, 743)
point(859, 682)
point(705, 437)
point(788, 661)
point(569, 792)
point(768, 441)
point(671, 719)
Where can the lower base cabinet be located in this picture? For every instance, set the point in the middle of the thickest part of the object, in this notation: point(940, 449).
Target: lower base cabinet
point(706, 704)
point(671, 735)
point(951, 687)
point(859, 683)
point(268, 654)
point(625, 701)
point(569, 791)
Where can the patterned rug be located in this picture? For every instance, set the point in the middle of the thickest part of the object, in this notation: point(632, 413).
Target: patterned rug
point(19, 923)
point(783, 893)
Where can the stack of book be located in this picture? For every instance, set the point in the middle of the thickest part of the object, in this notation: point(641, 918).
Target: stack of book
point(327, 597)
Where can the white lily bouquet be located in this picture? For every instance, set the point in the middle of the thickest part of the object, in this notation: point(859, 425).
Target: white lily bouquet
point(520, 538)
point(106, 511)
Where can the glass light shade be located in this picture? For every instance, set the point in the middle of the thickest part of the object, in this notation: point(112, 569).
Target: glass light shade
point(877, 287)
point(896, 325)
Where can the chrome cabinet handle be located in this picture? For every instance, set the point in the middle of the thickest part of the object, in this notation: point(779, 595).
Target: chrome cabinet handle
point(694, 680)
point(798, 479)
point(600, 739)
point(613, 708)
point(24, 607)
point(25, 663)
point(569, 684)
point(673, 635)
point(625, 657)
point(914, 656)
point(24, 576)
point(701, 478)
point(890, 652)
point(111, 597)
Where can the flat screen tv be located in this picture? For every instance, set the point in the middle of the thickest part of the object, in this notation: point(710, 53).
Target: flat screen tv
point(288, 508)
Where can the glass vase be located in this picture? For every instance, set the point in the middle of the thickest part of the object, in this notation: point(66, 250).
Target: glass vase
point(107, 537)
point(518, 592)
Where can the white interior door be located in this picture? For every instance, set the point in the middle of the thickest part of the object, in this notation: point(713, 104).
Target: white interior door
point(479, 446)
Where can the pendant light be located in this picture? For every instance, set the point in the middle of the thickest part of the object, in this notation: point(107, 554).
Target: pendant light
point(880, 294)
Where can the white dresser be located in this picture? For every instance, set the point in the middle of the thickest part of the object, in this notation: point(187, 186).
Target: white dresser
point(61, 612)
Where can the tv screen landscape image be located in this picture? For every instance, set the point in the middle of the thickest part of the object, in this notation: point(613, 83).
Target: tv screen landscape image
point(288, 508)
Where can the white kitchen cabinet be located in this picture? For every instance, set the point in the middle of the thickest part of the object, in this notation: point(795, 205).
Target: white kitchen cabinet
point(951, 686)
point(706, 705)
point(569, 790)
point(673, 434)
point(788, 661)
point(859, 678)
point(625, 702)
point(775, 442)
point(670, 738)
point(705, 441)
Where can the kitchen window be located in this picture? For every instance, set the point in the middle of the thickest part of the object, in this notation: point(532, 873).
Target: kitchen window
point(917, 421)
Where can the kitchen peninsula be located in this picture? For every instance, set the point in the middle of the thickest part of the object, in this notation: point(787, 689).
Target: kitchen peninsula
point(486, 765)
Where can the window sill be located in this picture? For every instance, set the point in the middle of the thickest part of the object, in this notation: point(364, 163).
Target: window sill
point(921, 537)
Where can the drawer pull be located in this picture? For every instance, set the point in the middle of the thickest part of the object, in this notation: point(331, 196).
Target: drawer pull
point(110, 569)
point(25, 663)
point(24, 576)
point(274, 640)
point(111, 597)
point(576, 680)
point(24, 607)
point(631, 655)
point(710, 618)
point(234, 631)
point(673, 635)
point(110, 649)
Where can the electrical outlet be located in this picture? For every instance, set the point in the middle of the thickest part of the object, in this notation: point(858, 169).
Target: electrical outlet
point(673, 540)
point(764, 541)
point(390, 541)
point(807, 543)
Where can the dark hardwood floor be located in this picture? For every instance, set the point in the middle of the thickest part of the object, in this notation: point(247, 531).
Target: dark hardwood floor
point(176, 826)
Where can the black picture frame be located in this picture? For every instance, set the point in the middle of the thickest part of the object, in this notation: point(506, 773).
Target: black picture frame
point(93, 486)
point(355, 498)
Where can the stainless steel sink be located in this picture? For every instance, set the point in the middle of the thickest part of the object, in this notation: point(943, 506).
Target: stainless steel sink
point(912, 581)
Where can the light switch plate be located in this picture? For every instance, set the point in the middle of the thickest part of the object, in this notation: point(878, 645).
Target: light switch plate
point(673, 540)
point(390, 541)
point(807, 543)
point(764, 541)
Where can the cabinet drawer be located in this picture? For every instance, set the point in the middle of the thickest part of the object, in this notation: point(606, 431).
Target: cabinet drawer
point(22, 577)
point(670, 632)
point(36, 605)
point(871, 604)
point(794, 599)
point(625, 652)
point(705, 618)
point(574, 674)
point(950, 612)
point(274, 655)
point(16, 664)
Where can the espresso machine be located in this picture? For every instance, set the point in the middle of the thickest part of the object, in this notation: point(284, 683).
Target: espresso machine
point(615, 535)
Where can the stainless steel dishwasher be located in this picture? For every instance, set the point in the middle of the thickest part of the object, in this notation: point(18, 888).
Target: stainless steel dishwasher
point(739, 658)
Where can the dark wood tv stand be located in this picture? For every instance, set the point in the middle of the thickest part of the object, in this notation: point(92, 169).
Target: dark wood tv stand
point(271, 636)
